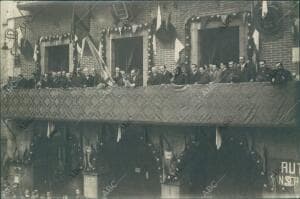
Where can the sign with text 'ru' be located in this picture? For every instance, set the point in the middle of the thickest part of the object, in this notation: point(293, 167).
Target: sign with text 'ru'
point(289, 175)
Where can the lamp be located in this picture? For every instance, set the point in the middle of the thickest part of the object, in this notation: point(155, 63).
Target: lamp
point(11, 34)
point(4, 47)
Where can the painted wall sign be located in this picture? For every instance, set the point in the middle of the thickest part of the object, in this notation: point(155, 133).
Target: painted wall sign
point(289, 175)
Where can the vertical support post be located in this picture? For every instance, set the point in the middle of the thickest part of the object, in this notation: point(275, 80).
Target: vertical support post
point(194, 44)
point(90, 185)
point(170, 191)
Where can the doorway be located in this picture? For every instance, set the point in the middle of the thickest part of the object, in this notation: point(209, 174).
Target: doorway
point(230, 172)
point(128, 54)
point(58, 58)
point(130, 165)
point(219, 45)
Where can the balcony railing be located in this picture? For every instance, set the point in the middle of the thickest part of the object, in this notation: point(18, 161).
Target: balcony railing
point(243, 104)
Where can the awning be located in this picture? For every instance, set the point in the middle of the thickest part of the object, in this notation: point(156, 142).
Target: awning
point(243, 104)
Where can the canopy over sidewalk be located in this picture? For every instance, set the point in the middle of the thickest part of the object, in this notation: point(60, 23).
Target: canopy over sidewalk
point(244, 104)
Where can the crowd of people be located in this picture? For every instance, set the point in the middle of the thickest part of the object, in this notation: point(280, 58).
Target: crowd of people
point(222, 73)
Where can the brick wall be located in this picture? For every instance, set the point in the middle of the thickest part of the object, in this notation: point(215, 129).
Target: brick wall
point(45, 22)
point(279, 49)
point(58, 20)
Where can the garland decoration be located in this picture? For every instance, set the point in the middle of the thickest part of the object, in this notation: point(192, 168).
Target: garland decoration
point(204, 20)
point(272, 23)
point(132, 29)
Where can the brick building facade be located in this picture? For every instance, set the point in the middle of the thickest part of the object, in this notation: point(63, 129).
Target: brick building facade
point(58, 20)
point(164, 139)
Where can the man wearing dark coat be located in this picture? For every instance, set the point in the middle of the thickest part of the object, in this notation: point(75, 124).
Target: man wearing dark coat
point(76, 80)
point(180, 77)
point(264, 73)
point(118, 77)
point(135, 79)
point(21, 82)
point(50, 81)
point(226, 73)
point(245, 71)
point(153, 77)
point(63, 81)
point(55, 77)
point(194, 76)
point(32, 82)
point(166, 76)
point(280, 75)
point(44, 81)
point(204, 76)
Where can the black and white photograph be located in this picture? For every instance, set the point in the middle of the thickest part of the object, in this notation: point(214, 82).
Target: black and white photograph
point(133, 99)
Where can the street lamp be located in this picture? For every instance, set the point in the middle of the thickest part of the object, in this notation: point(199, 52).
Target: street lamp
point(12, 34)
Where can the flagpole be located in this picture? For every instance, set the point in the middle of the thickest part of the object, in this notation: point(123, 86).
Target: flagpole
point(73, 23)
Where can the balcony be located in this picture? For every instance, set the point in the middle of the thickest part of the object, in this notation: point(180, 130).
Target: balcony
point(244, 104)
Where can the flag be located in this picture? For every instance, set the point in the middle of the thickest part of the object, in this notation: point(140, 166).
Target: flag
point(100, 49)
point(264, 9)
point(218, 138)
point(104, 73)
point(119, 136)
point(134, 28)
point(154, 44)
point(255, 37)
point(158, 18)
point(78, 48)
point(50, 128)
point(35, 53)
point(20, 36)
point(224, 19)
point(199, 26)
point(178, 47)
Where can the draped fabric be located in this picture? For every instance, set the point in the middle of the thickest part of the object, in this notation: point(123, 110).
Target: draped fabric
point(243, 104)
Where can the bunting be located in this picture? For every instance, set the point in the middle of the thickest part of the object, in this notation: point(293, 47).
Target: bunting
point(256, 38)
point(218, 138)
point(50, 128)
point(178, 47)
point(264, 10)
point(158, 18)
point(119, 135)
point(35, 53)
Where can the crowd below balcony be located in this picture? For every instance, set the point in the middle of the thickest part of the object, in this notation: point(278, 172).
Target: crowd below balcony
point(222, 73)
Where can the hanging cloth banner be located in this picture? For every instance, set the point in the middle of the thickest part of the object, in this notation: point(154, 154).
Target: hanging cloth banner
point(119, 136)
point(100, 49)
point(35, 53)
point(224, 19)
point(104, 73)
point(79, 48)
point(256, 38)
point(178, 47)
point(82, 47)
point(134, 28)
point(218, 138)
point(50, 128)
point(20, 36)
point(120, 30)
point(199, 26)
point(158, 18)
point(264, 9)
point(154, 44)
